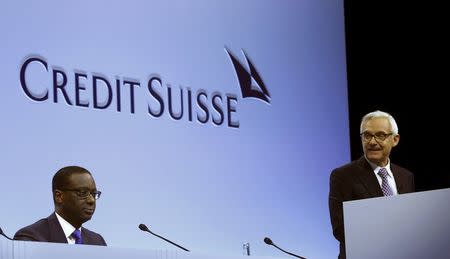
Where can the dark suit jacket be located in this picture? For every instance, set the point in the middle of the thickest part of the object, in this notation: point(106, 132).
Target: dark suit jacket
point(355, 181)
point(49, 230)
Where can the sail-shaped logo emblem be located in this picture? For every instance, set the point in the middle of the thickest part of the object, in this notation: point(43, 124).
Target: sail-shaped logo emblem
point(250, 81)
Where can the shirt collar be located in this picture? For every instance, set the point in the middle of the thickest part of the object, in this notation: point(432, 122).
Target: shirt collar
point(66, 226)
point(377, 168)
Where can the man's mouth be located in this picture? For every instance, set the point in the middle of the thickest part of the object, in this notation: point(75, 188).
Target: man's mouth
point(89, 211)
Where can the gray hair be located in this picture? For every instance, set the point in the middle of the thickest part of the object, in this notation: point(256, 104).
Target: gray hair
point(379, 114)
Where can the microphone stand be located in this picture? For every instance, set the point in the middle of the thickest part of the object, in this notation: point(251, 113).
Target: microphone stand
point(269, 242)
point(3, 234)
point(289, 252)
point(145, 228)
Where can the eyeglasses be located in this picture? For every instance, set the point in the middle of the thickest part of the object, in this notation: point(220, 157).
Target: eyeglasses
point(379, 136)
point(84, 193)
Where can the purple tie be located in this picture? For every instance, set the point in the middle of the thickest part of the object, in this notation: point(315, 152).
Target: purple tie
point(77, 236)
point(387, 191)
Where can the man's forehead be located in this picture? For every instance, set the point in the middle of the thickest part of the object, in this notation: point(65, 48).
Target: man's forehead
point(377, 123)
point(81, 178)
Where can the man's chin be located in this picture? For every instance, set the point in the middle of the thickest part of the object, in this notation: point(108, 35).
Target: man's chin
point(374, 158)
point(87, 215)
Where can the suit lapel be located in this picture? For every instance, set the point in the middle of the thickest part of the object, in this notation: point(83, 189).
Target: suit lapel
point(56, 232)
point(368, 178)
point(398, 179)
point(86, 239)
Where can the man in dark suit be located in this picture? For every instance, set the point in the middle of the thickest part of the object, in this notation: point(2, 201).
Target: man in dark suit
point(74, 196)
point(372, 175)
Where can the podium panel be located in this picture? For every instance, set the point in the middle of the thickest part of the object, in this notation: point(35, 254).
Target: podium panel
point(414, 225)
point(40, 250)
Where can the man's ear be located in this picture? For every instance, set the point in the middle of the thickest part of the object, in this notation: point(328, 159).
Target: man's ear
point(396, 140)
point(58, 196)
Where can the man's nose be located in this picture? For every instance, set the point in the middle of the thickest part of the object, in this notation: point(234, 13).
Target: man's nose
point(90, 198)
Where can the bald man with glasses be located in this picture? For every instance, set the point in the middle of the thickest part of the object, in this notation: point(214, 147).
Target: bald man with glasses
point(372, 175)
point(74, 196)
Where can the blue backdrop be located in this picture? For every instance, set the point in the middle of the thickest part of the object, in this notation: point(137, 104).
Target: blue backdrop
point(261, 171)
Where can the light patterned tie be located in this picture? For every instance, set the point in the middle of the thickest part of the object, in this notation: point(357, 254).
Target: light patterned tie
point(385, 187)
point(77, 236)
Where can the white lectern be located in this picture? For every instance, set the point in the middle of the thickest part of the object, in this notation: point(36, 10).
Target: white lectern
point(414, 225)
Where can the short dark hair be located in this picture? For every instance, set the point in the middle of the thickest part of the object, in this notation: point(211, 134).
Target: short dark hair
point(61, 178)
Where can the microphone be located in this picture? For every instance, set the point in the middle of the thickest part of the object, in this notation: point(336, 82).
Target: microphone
point(143, 227)
point(269, 242)
point(3, 234)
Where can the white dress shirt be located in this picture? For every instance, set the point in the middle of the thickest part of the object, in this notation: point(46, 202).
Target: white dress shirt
point(67, 228)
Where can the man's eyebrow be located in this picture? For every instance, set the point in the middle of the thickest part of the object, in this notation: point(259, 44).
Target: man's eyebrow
point(84, 188)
